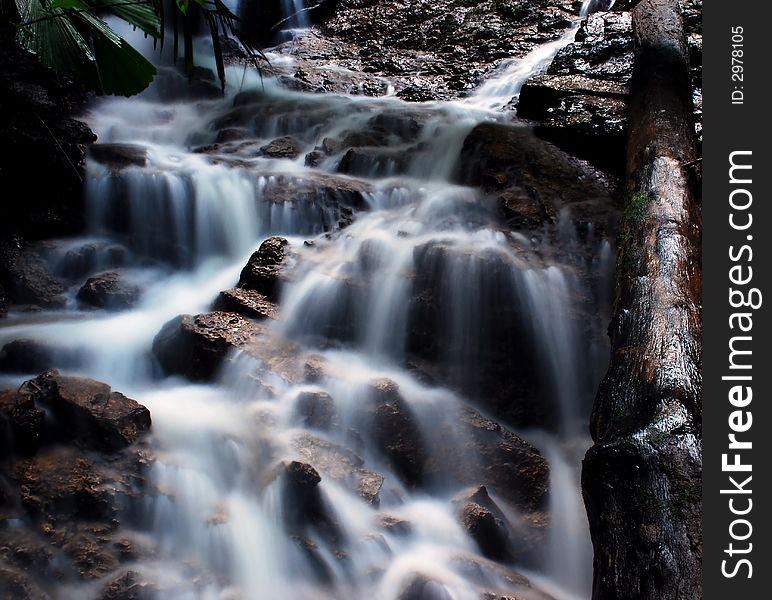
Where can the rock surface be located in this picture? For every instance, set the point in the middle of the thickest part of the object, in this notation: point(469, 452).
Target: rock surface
point(247, 303)
point(263, 272)
point(196, 346)
point(423, 50)
point(581, 102)
point(88, 409)
point(73, 477)
point(396, 433)
point(26, 278)
point(108, 290)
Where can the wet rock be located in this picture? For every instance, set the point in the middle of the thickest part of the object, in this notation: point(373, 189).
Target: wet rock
point(315, 368)
point(580, 103)
point(26, 549)
point(492, 366)
point(32, 356)
point(118, 156)
point(284, 147)
point(88, 258)
point(340, 464)
point(304, 505)
point(325, 202)
point(496, 581)
point(478, 495)
point(26, 278)
point(369, 486)
point(495, 457)
point(89, 546)
point(17, 585)
point(422, 587)
point(428, 51)
point(396, 432)
point(316, 410)
point(109, 291)
point(487, 530)
point(196, 346)
point(321, 571)
point(89, 409)
point(529, 175)
point(393, 525)
point(264, 269)
point(24, 422)
point(130, 585)
point(63, 484)
point(371, 162)
point(248, 303)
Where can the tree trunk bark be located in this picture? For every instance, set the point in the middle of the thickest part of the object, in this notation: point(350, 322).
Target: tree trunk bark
point(642, 478)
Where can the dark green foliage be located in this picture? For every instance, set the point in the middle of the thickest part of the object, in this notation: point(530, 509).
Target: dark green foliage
point(69, 37)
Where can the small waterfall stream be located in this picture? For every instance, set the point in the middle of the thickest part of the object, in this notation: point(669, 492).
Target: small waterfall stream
point(183, 225)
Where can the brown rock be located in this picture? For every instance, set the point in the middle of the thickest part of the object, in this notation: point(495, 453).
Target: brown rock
point(26, 278)
point(284, 147)
point(130, 585)
point(89, 409)
point(396, 432)
point(119, 156)
point(340, 464)
point(108, 290)
point(489, 532)
point(263, 271)
point(491, 455)
point(24, 421)
point(17, 585)
point(316, 410)
point(502, 157)
point(248, 303)
point(196, 346)
point(32, 356)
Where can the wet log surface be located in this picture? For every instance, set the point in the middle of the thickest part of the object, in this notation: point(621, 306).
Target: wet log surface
point(642, 478)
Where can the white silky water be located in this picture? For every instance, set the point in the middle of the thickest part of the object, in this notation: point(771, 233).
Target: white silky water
point(182, 227)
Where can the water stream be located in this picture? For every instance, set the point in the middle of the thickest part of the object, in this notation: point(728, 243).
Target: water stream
point(184, 225)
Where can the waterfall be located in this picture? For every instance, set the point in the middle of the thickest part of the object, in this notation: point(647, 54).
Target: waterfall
point(388, 251)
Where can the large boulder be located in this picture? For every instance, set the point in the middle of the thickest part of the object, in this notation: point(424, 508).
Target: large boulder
point(580, 103)
point(33, 356)
point(528, 174)
point(196, 346)
point(304, 505)
point(340, 464)
point(23, 422)
point(263, 272)
point(429, 50)
point(88, 409)
point(18, 585)
point(283, 147)
point(130, 585)
point(108, 290)
point(26, 278)
point(396, 433)
point(487, 530)
point(316, 409)
point(493, 456)
point(118, 156)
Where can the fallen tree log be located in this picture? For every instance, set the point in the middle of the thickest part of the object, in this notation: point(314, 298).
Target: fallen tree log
point(642, 477)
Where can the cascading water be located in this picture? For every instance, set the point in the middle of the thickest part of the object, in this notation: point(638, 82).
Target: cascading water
point(181, 223)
